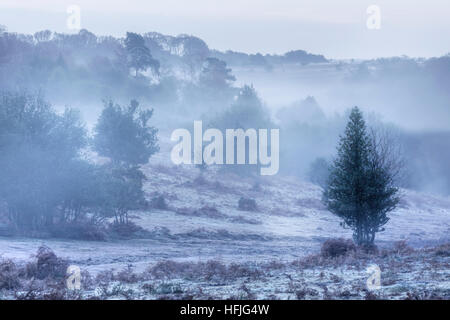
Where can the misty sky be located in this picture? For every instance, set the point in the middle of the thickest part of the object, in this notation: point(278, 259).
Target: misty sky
point(336, 29)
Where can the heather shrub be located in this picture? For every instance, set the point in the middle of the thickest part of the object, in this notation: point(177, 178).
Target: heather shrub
point(443, 250)
point(211, 270)
point(369, 248)
point(169, 268)
point(47, 265)
point(127, 275)
point(9, 275)
point(428, 295)
point(80, 230)
point(336, 247)
point(246, 204)
point(210, 212)
point(159, 202)
point(125, 230)
point(214, 270)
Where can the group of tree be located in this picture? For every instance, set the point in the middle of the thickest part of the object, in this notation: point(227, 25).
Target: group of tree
point(83, 68)
point(268, 61)
point(47, 179)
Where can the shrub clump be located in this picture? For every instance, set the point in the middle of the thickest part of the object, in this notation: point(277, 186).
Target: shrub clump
point(81, 230)
point(9, 275)
point(337, 247)
point(126, 230)
point(210, 212)
point(159, 203)
point(211, 270)
point(127, 275)
point(47, 265)
point(246, 204)
point(443, 250)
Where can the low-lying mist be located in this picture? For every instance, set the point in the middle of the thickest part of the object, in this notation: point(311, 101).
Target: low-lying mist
point(306, 96)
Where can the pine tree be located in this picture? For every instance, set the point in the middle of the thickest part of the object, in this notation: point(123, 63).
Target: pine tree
point(360, 189)
point(139, 55)
point(124, 135)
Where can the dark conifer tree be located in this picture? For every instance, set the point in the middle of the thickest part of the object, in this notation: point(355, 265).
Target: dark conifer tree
point(360, 189)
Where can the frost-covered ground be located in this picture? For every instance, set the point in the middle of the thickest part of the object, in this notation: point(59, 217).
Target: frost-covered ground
point(401, 272)
point(203, 222)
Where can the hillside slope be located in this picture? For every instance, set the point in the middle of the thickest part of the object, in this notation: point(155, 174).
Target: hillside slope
point(202, 221)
